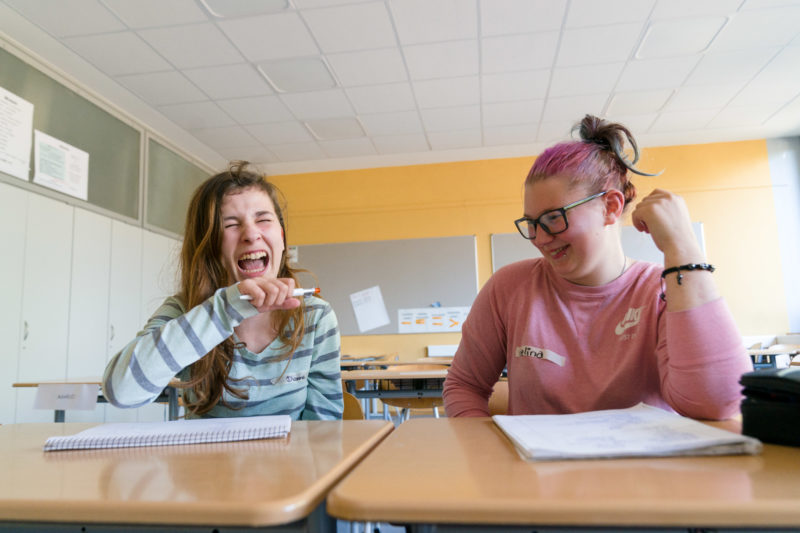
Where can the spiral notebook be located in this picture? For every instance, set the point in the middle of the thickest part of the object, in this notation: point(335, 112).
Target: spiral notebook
point(195, 431)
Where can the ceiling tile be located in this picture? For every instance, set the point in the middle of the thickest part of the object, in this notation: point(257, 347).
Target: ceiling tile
point(62, 19)
point(511, 113)
point(447, 92)
point(510, 86)
point(451, 118)
point(216, 81)
point(280, 132)
point(369, 67)
point(298, 151)
point(150, 13)
point(402, 122)
point(637, 103)
point(378, 98)
point(348, 147)
point(243, 8)
point(555, 131)
point(254, 154)
point(421, 21)
point(503, 17)
point(777, 82)
point(759, 91)
point(198, 45)
point(593, 13)
point(516, 134)
point(732, 117)
point(312, 4)
point(256, 110)
point(351, 27)
point(573, 108)
point(441, 60)
point(118, 53)
point(587, 79)
point(751, 29)
point(298, 74)
point(518, 52)
point(161, 88)
point(666, 9)
point(637, 124)
point(679, 37)
point(270, 36)
point(705, 97)
point(197, 115)
point(449, 140)
point(618, 44)
point(656, 73)
point(335, 128)
point(228, 137)
point(398, 144)
point(318, 104)
point(730, 67)
point(683, 120)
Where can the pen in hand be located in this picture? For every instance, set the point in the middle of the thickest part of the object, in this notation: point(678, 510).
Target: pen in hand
point(295, 293)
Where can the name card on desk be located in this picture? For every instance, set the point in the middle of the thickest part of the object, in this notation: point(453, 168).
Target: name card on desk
point(63, 396)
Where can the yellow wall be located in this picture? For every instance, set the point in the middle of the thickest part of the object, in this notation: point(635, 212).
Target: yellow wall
point(726, 186)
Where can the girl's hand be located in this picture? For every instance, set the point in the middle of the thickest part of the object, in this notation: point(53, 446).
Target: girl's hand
point(665, 217)
point(268, 294)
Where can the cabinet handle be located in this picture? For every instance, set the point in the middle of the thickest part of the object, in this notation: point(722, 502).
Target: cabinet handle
point(25, 331)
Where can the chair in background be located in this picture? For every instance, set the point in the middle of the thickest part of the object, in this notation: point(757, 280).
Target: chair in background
point(405, 405)
point(352, 407)
point(498, 401)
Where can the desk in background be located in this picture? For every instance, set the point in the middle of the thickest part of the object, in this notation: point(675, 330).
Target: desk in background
point(441, 475)
point(232, 485)
point(168, 395)
point(417, 383)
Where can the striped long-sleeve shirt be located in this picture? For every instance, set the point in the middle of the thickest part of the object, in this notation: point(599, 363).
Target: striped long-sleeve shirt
point(308, 388)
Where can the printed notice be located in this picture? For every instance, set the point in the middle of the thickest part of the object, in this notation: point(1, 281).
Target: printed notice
point(60, 166)
point(16, 125)
point(63, 396)
point(369, 309)
point(431, 319)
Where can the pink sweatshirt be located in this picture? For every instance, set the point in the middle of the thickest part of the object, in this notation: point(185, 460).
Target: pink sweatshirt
point(571, 348)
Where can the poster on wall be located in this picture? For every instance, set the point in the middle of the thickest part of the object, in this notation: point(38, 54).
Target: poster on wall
point(431, 319)
point(60, 166)
point(16, 125)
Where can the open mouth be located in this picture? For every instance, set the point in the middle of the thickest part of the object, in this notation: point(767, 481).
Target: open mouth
point(253, 262)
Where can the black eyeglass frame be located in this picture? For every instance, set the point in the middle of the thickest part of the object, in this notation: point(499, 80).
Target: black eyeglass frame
point(535, 222)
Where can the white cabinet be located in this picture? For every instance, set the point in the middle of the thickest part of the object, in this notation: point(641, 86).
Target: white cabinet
point(45, 301)
point(13, 207)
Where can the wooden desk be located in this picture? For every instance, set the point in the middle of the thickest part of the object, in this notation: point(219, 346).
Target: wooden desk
point(247, 484)
point(465, 471)
point(417, 383)
point(168, 396)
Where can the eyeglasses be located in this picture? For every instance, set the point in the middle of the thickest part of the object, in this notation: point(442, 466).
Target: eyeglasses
point(553, 222)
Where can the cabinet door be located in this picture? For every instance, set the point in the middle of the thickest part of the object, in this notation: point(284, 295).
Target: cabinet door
point(45, 301)
point(159, 275)
point(13, 206)
point(124, 299)
point(89, 293)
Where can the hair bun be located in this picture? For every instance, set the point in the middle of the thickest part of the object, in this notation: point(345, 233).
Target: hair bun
point(611, 136)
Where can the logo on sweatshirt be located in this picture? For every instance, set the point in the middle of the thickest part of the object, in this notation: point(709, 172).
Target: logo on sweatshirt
point(632, 317)
point(290, 378)
point(540, 353)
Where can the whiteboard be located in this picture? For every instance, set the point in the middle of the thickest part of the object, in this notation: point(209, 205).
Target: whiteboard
point(509, 248)
point(411, 273)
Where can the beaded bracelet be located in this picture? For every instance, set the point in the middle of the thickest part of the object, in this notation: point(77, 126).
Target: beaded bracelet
point(688, 266)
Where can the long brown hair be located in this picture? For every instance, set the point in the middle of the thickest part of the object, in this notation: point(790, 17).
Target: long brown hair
point(203, 272)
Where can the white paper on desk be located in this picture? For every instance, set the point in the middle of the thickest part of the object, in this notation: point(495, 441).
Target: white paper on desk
point(16, 125)
point(64, 396)
point(369, 309)
point(60, 166)
point(639, 431)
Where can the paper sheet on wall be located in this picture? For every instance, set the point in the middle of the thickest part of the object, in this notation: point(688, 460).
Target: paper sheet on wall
point(16, 125)
point(369, 309)
point(431, 319)
point(82, 396)
point(60, 166)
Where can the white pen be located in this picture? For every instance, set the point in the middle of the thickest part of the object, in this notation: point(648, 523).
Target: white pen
point(295, 293)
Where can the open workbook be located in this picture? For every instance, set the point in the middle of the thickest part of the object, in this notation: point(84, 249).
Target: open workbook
point(639, 431)
point(195, 431)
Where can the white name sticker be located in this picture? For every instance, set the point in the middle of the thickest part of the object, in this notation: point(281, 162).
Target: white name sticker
point(540, 353)
point(64, 396)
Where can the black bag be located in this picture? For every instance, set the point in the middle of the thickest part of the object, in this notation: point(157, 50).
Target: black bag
point(771, 406)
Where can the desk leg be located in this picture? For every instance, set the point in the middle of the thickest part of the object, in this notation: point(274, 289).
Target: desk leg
point(172, 396)
point(59, 416)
